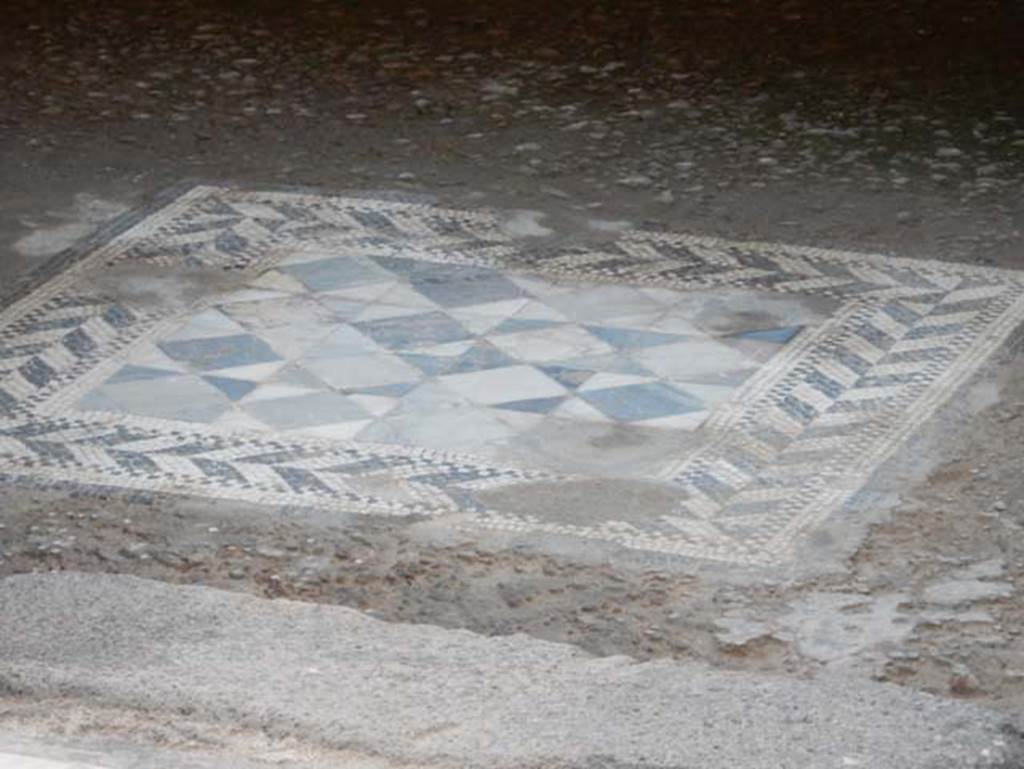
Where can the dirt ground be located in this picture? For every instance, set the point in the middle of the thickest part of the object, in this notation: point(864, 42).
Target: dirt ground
point(882, 127)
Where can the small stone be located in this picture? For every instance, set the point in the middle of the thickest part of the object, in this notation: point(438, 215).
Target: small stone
point(635, 181)
point(665, 196)
point(954, 592)
point(269, 552)
point(963, 682)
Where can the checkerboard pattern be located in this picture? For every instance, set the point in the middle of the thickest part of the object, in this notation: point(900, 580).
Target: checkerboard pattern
point(397, 350)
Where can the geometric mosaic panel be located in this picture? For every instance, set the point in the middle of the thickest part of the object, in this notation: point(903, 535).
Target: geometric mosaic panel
point(397, 358)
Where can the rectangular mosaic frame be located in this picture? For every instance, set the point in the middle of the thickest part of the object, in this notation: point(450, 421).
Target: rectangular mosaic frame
point(809, 430)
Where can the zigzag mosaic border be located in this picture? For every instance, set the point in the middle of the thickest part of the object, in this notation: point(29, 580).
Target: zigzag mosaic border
point(805, 435)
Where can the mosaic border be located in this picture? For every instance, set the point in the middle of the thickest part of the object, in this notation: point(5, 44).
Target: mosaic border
point(806, 434)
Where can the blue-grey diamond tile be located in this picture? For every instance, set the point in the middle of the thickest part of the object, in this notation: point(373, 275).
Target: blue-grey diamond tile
point(235, 389)
point(627, 338)
point(513, 325)
point(132, 373)
point(569, 377)
point(533, 405)
point(480, 356)
point(332, 274)
point(463, 290)
point(409, 331)
point(431, 365)
point(773, 335)
point(220, 352)
point(310, 410)
point(388, 391)
point(635, 402)
point(418, 270)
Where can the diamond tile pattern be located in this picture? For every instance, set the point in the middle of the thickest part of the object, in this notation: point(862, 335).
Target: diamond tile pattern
point(386, 349)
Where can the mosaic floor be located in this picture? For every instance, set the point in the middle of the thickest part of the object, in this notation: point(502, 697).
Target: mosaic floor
point(396, 358)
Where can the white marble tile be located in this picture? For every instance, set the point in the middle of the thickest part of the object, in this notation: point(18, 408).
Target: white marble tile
point(501, 385)
point(466, 429)
point(353, 372)
point(689, 421)
point(603, 381)
point(277, 281)
point(692, 358)
point(550, 344)
point(594, 304)
point(208, 324)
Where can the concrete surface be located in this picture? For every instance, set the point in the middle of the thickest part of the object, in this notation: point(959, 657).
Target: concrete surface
point(334, 677)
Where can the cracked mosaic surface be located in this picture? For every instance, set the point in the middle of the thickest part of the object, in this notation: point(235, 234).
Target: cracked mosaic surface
point(397, 358)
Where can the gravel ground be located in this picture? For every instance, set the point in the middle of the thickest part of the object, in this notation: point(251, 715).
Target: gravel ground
point(896, 127)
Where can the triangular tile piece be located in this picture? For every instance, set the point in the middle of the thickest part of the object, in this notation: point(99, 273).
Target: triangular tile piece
point(513, 325)
point(374, 404)
point(540, 311)
point(403, 295)
point(278, 281)
point(270, 392)
point(533, 405)
point(774, 335)
point(720, 378)
point(604, 381)
point(476, 324)
point(574, 408)
point(233, 388)
point(691, 420)
point(568, 377)
point(257, 372)
point(209, 323)
point(446, 350)
point(246, 295)
point(627, 338)
point(503, 308)
point(707, 393)
point(151, 356)
point(615, 363)
point(339, 431)
point(239, 420)
point(132, 373)
point(428, 364)
point(388, 391)
point(482, 355)
point(636, 402)
point(299, 377)
point(366, 293)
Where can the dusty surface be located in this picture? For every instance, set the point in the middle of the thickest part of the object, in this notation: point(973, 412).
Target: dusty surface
point(891, 127)
point(933, 599)
point(418, 693)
